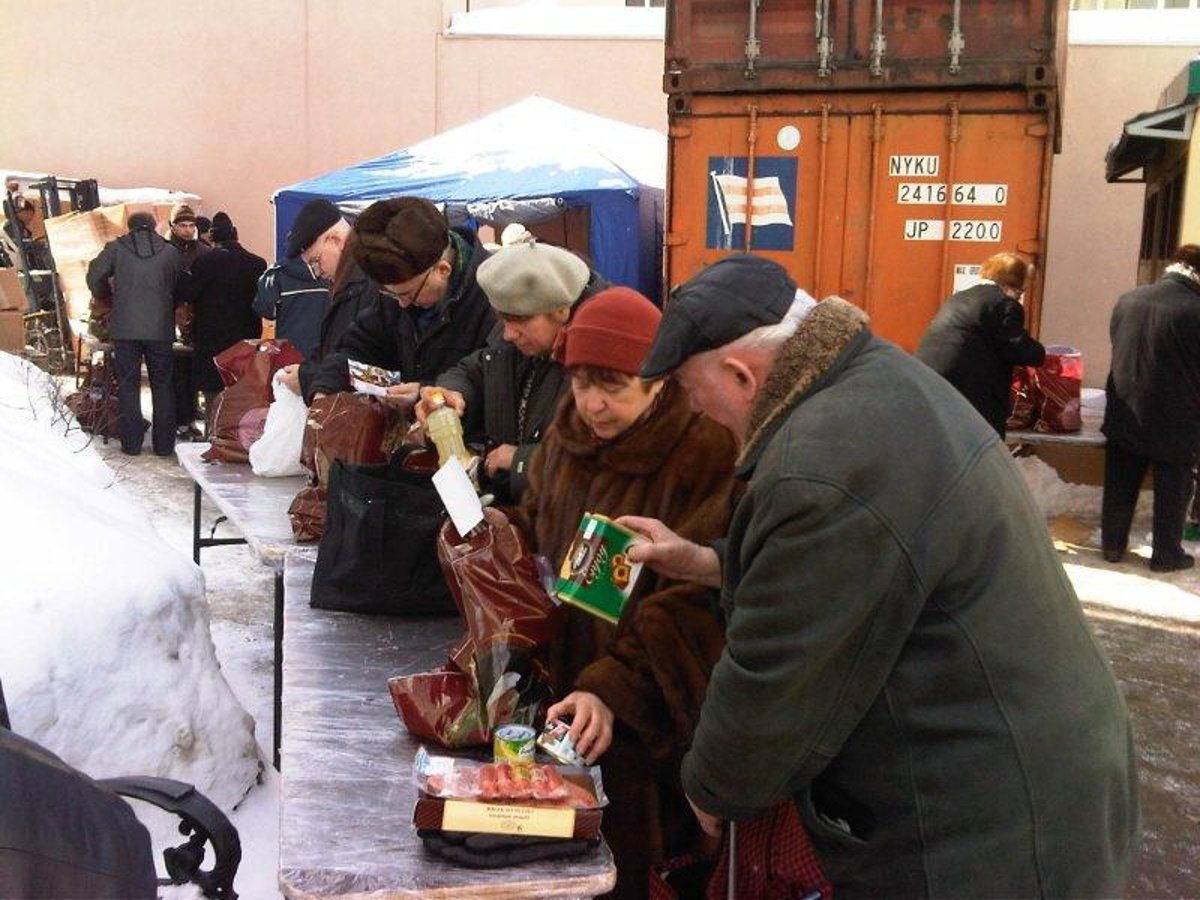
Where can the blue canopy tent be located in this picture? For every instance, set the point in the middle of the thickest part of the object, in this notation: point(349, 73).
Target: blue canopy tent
point(527, 163)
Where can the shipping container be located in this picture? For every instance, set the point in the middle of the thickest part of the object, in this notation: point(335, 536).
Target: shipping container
point(889, 199)
point(740, 46)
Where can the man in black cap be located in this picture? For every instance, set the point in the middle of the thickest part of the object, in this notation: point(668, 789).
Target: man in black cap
point(294, 293)
point(221, 289)
point(140, 271)
point(906, 659)
point(429, 312)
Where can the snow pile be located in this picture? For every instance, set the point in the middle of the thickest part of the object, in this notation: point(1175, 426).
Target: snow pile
point(1057, 497)
point(105, 651)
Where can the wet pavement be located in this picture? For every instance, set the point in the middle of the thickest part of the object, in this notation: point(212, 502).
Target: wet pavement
point(1157, 662)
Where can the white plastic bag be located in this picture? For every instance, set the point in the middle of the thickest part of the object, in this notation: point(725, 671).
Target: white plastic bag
point(277, 452)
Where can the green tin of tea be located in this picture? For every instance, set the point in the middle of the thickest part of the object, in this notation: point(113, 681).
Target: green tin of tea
point(596, 576)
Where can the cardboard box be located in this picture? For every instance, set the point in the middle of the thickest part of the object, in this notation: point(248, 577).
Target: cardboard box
point(12, 295)
point(440, 814)
point(12, 331)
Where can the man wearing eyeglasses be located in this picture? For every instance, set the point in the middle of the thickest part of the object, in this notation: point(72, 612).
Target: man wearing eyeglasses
point(430, 311)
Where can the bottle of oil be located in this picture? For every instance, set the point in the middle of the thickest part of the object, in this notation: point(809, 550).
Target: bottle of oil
point(444, 428)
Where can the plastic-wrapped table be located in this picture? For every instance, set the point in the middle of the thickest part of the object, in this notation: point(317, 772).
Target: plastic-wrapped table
point(257, 507)
point(347, 786)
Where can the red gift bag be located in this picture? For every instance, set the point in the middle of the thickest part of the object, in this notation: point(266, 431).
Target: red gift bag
point(237, 418)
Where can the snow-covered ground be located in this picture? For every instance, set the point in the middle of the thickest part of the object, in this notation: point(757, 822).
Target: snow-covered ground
point(108, 658)
point(123, 657)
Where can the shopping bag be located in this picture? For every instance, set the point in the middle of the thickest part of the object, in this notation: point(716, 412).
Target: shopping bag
point(277, 452)
point(378, 553)
point(499, 674)
point(1024, 399)
point(500, 590)
point(349, 427)
point(1060, 382)
point(239, 414)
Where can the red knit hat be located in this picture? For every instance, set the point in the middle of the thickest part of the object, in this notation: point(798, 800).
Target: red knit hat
point(612, 330)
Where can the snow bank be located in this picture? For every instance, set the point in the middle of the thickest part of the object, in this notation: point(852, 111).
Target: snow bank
point(105, 651)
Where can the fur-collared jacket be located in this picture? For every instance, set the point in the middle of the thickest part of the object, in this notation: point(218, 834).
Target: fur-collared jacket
point(905, 655)
point(652, 668)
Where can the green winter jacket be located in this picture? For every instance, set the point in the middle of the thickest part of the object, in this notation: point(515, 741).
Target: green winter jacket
point(906, 657)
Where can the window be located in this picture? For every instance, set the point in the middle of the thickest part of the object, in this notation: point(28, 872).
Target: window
point(1133, 4)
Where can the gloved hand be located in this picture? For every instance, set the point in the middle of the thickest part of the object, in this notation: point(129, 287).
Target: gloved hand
point(494, 851)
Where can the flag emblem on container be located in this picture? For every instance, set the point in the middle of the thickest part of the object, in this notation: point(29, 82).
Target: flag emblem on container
point(771, 204)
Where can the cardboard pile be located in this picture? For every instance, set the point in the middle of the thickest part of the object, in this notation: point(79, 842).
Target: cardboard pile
point(77, 238)
point(12, 305)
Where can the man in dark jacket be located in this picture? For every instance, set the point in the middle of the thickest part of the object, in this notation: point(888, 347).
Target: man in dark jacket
point(430, 311)
point(221, 290)
point(185, 237)
point(906, 657)
point(294, 293)
point(1152, 412)
point(507, 392)
point(144, 270)
point(979, 335)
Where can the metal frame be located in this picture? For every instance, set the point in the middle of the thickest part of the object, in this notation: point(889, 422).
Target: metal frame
point(198, 543)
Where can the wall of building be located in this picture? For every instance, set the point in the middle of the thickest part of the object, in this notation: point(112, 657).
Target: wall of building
point(1095, 227)
point(226, 99)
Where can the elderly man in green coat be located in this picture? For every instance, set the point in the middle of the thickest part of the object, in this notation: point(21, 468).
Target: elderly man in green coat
point(906, 658)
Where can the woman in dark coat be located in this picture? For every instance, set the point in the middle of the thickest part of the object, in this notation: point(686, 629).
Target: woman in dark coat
point(619, 446)
point(979, 335)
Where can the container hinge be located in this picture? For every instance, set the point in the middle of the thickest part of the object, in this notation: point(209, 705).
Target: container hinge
point(1037, 130)
point(753, 46)
point(957, 43)
point(824, 41)
point(679, 132)
point(674, 239)
point(878, 42)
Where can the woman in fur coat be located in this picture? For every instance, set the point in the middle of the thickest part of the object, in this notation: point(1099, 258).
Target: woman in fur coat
point(622, 446)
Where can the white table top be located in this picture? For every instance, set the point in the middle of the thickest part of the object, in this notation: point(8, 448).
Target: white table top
point(348, 790)
point(256, 506)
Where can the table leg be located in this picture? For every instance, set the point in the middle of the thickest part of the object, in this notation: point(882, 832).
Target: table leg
point(278, 664)
point(196, 524)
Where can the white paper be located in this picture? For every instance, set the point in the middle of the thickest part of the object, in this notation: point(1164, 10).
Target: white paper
point(458, 494)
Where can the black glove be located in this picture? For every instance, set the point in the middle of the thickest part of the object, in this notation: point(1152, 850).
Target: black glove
point(494, 851)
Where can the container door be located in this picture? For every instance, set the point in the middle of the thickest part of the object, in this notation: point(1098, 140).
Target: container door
point(890, 201)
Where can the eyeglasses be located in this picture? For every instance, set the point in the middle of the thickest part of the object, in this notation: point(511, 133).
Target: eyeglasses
point(405, 297)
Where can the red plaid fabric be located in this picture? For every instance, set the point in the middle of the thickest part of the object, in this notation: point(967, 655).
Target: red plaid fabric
point(775, 860)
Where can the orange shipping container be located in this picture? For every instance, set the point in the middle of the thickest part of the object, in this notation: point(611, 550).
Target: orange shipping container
point(889, 199)
point(718, 46)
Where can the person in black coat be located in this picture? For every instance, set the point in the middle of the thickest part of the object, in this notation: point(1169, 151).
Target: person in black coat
point(979, 335)
point(1152, 409)
point(221, 289)
point(430, 311)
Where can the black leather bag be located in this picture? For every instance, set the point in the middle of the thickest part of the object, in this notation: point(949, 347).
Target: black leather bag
point(379, 550)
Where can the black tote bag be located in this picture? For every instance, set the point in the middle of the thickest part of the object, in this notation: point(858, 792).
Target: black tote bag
point(379, 550)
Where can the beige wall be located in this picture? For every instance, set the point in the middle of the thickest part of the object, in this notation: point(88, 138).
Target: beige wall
point(1095, 227)
point(226, 99)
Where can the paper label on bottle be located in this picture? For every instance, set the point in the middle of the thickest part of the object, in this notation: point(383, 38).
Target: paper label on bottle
point(499, 818)
point(453, 485)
